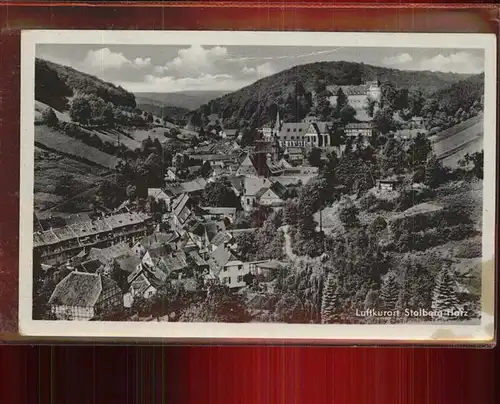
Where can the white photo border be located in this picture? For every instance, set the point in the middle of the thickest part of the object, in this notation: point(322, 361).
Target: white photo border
point(269, 332)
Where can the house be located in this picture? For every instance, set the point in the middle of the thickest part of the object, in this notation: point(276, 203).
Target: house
point(317, 135)
point(294, 154)
point(153, 241)
point(266, 270)
point(355, 129)
point(251, 186)
point(182, 212)
point(171, 174)
point(229, 133)
point(388, 184)
point(194, 187)
point(216, 213)
point(127, 263)
point(273, 196)
point(143, 282)
point(60, 244)
point(160, 196)
point(215, 234)
point(358, 95)
point(82, 296)
point(292, 134)
point(228, 267)
point(108, 254)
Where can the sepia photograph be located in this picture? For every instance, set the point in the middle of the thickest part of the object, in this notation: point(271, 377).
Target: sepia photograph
point(257, 185)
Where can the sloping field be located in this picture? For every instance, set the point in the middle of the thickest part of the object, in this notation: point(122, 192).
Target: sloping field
point(58, 178)
point(113, 136)
point(453, 147)
point(58, 142)
point(457, 128)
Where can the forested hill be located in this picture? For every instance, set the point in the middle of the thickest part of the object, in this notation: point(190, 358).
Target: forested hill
point(55, 82)
point(462, 94)
point(257, 102)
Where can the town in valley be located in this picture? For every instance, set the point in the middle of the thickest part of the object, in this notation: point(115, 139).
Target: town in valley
point(306, 195)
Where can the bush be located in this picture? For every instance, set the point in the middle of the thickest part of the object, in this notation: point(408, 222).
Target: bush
point(50, 117)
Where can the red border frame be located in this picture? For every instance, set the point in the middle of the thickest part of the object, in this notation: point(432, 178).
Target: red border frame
point(15, 16)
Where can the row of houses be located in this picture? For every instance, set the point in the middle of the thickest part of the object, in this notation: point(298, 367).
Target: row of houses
point(57, 244)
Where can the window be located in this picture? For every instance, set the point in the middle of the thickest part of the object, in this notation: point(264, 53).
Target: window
point(240, 278)
point(293, 137)
point(240, 267)
point(288, 129)
point(300, 129)
point(294, 129)
point(248, 201)
point(226, 280)
point(225, 269)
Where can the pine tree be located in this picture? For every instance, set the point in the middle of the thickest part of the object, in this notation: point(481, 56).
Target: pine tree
point(389, 292)
point(444, 297)
point(330, 302)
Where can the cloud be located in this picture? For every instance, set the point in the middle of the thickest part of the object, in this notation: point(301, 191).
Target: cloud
point(263, 70)
point(458, 62)
point(402, 58)
point(204, 82)
point(105, 59)
point(196, 60)
point(140, 62)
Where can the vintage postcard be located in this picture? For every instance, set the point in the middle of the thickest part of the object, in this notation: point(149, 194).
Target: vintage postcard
point(258, 185)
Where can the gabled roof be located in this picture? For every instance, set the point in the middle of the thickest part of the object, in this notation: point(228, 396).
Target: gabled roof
point(261, 192)
point(252, 185)
point(213, 228)
point(293, 128)
point(128, 263)
point(80, 289)
point(322, 127)
point(105, 255)
point(223, 255)
point(158, 193)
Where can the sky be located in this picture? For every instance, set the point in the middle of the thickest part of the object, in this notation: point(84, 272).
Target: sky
point(160, 68)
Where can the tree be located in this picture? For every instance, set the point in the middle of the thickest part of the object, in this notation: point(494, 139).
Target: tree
point(220, 193)
point(444, 297)
point(383, 120)
point(341, 101)
point(331, 304)
point(419, 150)
point(416, 286)
point(371, 300)
point(348, 213)
point(108, 114)
point(435, 173)
point(347, 114)
point(131, 192)
point(478, 162)
point(370, 107)
point(206, 169)
point(50, 117)
point(314, 157)
point(389, 292)
point(80, 110)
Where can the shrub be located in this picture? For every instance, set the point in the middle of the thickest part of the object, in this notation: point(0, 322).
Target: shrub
point(50, 117)
point(472, 248)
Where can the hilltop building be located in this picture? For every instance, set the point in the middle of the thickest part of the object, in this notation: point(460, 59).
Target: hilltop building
point(358, 95)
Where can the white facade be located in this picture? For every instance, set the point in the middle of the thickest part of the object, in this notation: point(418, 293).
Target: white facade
point(232, 274)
